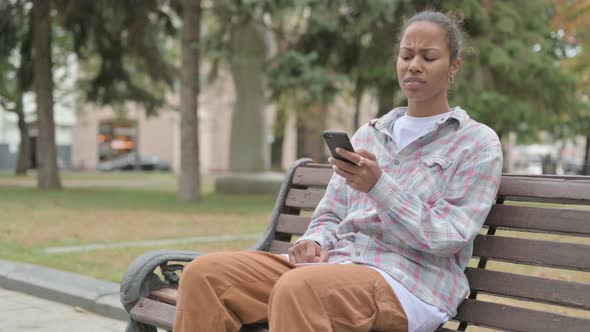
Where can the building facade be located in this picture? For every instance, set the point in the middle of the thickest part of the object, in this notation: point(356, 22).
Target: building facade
point(65, 121)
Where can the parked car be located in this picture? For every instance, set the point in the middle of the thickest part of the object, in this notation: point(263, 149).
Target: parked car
point(133, 162)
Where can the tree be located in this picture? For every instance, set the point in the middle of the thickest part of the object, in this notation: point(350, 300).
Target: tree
point(248, 148)
point(342, 46)
point(302, 87)
point(128, 52)
point(15, 70)
point(189, 179)
point(571, 21)
point(510, 77)
point(122, 47)
point(16, 76)
point(238, 35)
point(48, 174)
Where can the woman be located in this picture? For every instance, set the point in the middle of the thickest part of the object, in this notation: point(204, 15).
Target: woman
point(397, 228)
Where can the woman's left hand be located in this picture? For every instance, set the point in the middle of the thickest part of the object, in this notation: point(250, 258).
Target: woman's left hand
point(363, 175)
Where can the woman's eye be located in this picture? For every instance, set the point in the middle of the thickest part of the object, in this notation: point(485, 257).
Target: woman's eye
point(429, 59)
point(406, 58)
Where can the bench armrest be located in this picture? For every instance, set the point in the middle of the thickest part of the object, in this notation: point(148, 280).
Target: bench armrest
point(139, 279)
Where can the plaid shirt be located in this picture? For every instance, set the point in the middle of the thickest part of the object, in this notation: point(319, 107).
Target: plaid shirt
point(419, 220)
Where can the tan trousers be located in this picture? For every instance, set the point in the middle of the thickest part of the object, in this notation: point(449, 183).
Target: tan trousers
point(222, 291)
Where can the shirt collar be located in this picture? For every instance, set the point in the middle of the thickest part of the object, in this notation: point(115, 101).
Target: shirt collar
point(385, 121)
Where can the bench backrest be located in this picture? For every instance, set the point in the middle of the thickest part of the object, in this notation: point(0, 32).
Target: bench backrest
point(531, 266)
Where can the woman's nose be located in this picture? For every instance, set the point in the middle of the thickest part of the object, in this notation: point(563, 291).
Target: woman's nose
point(415, 65)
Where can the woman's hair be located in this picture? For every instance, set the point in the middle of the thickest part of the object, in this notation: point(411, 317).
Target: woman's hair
point(449, 24)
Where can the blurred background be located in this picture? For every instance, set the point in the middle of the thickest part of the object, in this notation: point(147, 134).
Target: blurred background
point(272, 75)
point(136, 107)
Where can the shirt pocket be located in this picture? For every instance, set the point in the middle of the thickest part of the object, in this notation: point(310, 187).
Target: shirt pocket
point(431, 177)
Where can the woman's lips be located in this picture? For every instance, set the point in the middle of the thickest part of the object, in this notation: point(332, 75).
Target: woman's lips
point(414, 83)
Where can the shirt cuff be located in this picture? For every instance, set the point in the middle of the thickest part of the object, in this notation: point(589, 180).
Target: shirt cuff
point(317, 238)
point(384, 190)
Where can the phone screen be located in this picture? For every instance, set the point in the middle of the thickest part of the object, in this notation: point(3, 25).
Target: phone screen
point(337, 139)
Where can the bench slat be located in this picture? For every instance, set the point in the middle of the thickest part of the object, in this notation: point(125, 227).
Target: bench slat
point(154, 313)
point(534, 252)
point(162, 314)
point(291, 224)
point(166, 295)
point(312, 175)
point(551, 176)
point(279, 247)
point(567, 293)
point(512, 318)
point(304, 199)
point(540, 219)
point(546, 189)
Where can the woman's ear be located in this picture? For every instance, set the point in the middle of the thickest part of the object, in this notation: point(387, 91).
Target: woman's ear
point(454, 67)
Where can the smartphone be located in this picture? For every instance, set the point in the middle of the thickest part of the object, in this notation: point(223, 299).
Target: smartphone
point(338, 139)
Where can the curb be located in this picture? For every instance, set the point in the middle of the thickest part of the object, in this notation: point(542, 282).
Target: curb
point(97, 296)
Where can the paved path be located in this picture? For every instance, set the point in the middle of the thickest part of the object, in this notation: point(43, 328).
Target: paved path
point(20, 312)
point(199, 239)
point(71, 289)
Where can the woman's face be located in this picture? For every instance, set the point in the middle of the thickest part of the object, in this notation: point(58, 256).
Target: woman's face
point(423, 67)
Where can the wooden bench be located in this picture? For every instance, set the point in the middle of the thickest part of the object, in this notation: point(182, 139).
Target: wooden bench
point(521, 274)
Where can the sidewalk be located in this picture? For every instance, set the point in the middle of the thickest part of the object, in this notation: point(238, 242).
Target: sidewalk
point(21, 312)
point(36, 298)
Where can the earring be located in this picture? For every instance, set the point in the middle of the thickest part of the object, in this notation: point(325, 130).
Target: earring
point(452, 79)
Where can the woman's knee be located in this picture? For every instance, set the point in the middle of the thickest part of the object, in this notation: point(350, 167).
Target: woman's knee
point(292, 285)
point(203, 267)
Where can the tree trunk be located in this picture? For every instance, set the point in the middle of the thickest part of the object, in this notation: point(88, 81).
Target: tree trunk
point(301, 133)
point(310, 143)
point(22, 163)
point(382, 34)
point(385, 95)
point(276, 150)
point(586, 167)
point(322, 156)
point(47, 173)
point(358, 95)
point(189, 181)
point(249, 151)
point(506, 150)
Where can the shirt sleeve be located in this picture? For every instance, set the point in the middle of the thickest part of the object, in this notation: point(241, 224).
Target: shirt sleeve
point(445, 226)
point(331, 210)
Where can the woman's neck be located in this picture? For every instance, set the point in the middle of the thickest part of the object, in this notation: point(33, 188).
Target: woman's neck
point(428, 108)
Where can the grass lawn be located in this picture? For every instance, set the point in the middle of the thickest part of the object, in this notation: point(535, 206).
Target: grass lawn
point(117, 207)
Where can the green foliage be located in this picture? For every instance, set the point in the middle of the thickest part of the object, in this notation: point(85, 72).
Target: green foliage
point(294, 70)
point(124, 47)
point(15, 53)
point(510, 77)
point(571, 19)
point(351, 40)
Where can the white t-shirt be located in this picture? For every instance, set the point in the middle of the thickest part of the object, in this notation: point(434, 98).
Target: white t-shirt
point(422, 317)
point(409, 128)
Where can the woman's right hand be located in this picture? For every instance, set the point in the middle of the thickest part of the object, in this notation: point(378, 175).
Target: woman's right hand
point(307, 251)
